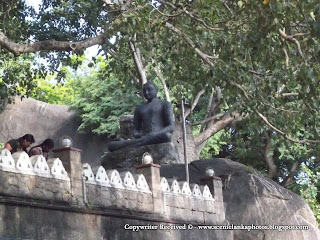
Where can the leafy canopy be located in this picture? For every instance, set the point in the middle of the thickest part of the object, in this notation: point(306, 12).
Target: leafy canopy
point(101, 97)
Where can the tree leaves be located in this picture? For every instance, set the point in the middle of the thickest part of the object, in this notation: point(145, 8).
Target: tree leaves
point(100, 98)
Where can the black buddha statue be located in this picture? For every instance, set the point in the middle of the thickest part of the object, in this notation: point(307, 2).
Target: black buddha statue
point(152, 123)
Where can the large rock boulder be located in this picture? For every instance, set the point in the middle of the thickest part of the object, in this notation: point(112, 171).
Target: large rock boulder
point(56, 121)
point(49, 121)
point(254, 199)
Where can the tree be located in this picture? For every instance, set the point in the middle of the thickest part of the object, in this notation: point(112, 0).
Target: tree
point(308, 189)
point(100, 98)
point(16, 72)
point(47, 90)
point(14, 78)
point(253, 62)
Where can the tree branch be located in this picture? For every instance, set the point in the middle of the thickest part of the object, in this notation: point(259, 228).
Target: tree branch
point(194, 103)
point(267, 154)
point(202, 22)
point(213, 104)
point(160, 76)
point(286, 56)
point(289, 94)
point(49, 45)
point(260, 74)
point(203, 56)
point(216, 127)
point(291, 38)
point(207, 60)
point(279, 109)
point(290, 178)
point(118, 58)
point(232, 83)
point(284, 134)
point(219, 115)
point(167, 15)
point(108, 2)
point(227, 7)
point(269, 124)
point(208, 109)
point(193, 16)
point(138, 62)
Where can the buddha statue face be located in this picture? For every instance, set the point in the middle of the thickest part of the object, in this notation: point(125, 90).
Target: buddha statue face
point(150, 91)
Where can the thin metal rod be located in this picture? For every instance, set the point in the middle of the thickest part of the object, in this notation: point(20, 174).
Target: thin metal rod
point(184, 139)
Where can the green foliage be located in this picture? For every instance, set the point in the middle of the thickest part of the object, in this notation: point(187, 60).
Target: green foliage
point(54, 93)
point(16, 77)
point(14, 15)
point(101, 98)
point(308, 188)
point(16, 72)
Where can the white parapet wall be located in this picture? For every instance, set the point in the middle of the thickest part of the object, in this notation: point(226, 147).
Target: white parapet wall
point(20, 162)
point(191, 203)
point(113, 179)
point(109, 188)
point(35, 178)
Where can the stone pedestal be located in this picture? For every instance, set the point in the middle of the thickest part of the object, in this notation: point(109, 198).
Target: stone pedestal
point(215, 186)
point(163, 153)
point(126, 125)
point(152, 174)
point(71, 160)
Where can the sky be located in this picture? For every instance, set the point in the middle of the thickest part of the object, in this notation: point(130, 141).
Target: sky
point(34, 3)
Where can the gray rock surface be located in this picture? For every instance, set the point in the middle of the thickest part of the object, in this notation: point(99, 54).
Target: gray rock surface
point(178, 142)
point(254, 199)
point(56, 121)
point(49, 121)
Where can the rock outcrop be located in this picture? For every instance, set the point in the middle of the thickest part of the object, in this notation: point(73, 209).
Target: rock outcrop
point(254, 199)
point(45, 120)
point(49, 121)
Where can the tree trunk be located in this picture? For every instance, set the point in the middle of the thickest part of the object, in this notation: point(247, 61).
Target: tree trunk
point(165, 88)
point(194, 103)
point(226, 121)
point(268, 156)
point(138, 62)
point(290, 178)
